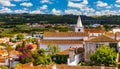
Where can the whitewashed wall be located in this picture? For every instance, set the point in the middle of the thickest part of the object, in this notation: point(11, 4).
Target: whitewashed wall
point(62, 46)
point(90, 48)
point(95, 34)
point(118, 37)
point(78, 58)
point(65, 38)
point(6, 62)
point(116, 30)
point(119, 46)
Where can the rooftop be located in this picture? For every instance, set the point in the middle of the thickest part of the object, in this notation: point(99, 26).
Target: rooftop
point(61, 41)
point(64, 34)
point(62, 66)
point(66, 52)
point(94, 31)
point(101, 38)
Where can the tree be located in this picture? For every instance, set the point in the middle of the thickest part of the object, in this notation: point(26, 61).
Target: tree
point(53, 49)
point(4, 67)
point(40, 57)
point(18, 64)
point(20, 36)
point(106, 27)
point(103, 55)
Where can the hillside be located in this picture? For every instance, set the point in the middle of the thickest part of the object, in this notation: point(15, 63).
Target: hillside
point(44, 18)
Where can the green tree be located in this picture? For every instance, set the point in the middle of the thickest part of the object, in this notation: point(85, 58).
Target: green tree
point(18, 64)
point(20, 36)
point(40, 57)
point(106, 27)
point(4, 67)
point(53, 49)
point(103, 55)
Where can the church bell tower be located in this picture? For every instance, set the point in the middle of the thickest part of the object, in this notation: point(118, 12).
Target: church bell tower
point(79, 27)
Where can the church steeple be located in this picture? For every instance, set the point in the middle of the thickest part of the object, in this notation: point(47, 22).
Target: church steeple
point(79, 22)
point(79, 27)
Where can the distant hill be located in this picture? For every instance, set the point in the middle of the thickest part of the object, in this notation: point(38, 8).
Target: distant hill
point(53, 19)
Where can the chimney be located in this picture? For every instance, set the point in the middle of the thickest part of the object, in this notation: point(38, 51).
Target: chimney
point(54, 66)
point(76, 50)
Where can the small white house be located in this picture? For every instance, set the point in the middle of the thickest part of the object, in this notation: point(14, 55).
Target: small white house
point(91, 45)
point(115, 30)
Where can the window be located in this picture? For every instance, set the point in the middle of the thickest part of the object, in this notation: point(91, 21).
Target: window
point(78, 29)
point(98, 45)
point(113, 45)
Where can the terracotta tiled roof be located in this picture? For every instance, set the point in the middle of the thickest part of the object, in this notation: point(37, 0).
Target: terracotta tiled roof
point(2, 41)
point(109, 34)
point(2, 59)
point(14, 52)
point(101, 38)
point(94, 30)
point(62, 66)
point(64, 34)
point(61, 42)
point(66, 52)
point(118, 34)
point(3, 52)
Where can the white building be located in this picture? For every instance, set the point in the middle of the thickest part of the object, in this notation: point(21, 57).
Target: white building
point(69, 39)
point(91, 45)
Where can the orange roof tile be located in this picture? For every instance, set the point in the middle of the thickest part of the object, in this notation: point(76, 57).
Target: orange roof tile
point(118, 34)
point(61, 42)
point(64, 34)
point(2, 59)
point(15, 52)
point(94, 31)
point(3, 52)
point(109, 34)
point(66, 52)
point(62, 66)
point(101, 38)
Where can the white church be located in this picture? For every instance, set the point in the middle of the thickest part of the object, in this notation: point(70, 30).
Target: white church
point(69, 39)
point(89, 39)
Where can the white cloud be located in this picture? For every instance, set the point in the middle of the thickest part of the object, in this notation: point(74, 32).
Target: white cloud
point(46, 1)
point(17, 0)
point(77, 5)
point(101, 4)
point(117, 1)
point(108, 7)
point(6, 3)
point(43, 7)
point(73, 11)
point(21, 11)
point(20, 0)
point(26, 4)
point(36, 12)
point(82, 6)
point(107, 12)
point(56, 12)
point(5, 10)
point(116, 5)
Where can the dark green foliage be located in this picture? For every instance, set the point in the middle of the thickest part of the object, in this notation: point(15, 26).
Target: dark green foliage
point(103, 55)
point(4, 67)
point(106, 27)
point(40, 57)
point(53, 49)
point(60, 58)
point(20, 36)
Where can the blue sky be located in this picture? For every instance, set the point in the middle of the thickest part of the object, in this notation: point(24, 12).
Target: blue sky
point(58, 7)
